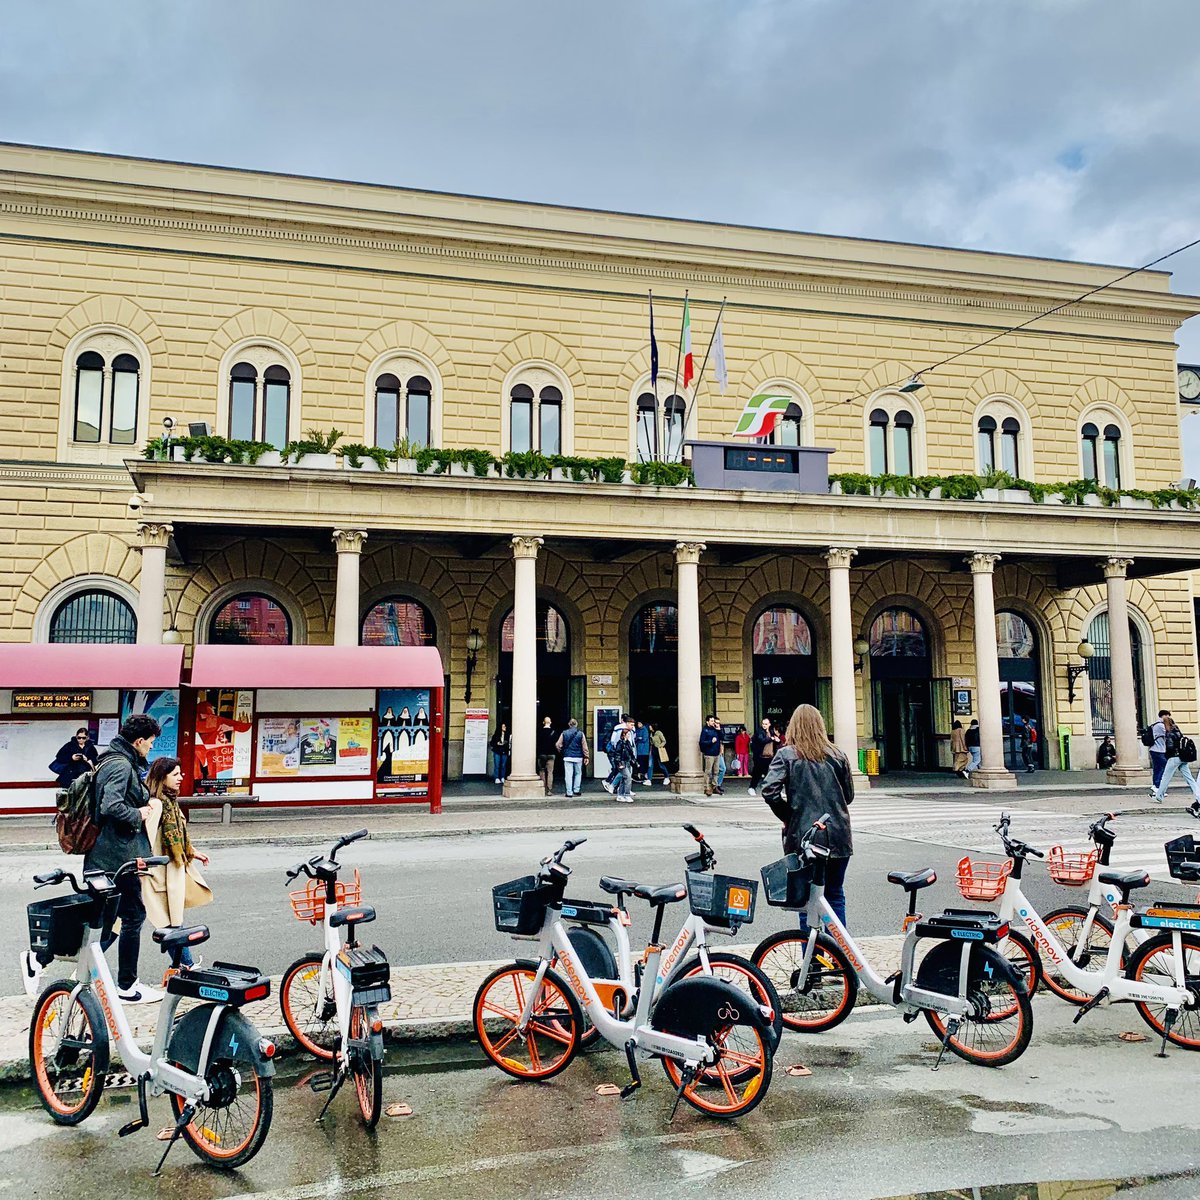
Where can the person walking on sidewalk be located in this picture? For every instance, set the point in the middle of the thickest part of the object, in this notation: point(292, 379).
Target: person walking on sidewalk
point(641, 746)
point(573, 747)
point(808, 777)
point(1029, 747)
point(658, 741)
point(958, 747)
point(762, 749)
point(622, 756)
point(1181, 753)
point(1158, 750)
point(501, 744)
point(710, 751)
point(971, 739)
point(122, 809)
point(546, 738)
point(168, 891)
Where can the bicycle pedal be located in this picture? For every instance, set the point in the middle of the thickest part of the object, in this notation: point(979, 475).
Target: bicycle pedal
point(132, 1127)
point(1096, 1000)
point(322, 1081)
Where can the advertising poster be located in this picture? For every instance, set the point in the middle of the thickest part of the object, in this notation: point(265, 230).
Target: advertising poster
point(279, 746)
point(164, 708)
point(402, 752)
point(318, 742)
point(223, 734)
point(475, 742)
point(354, 745)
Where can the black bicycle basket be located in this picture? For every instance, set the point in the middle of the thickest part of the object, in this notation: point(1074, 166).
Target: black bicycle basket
point(721, 899)
point(786, 882)
point(520, 904)
point(58, 926)
point(1180, 851)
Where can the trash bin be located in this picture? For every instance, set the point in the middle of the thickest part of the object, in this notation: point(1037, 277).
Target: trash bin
point(871, 766)
point(862, 762)
point(1064, 748)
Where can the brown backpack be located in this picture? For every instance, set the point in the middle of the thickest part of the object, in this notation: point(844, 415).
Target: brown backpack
point(76, 821)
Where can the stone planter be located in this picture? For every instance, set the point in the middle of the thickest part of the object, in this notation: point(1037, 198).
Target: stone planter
point(1134, 502)
point(179, 454)
point(935, 493)
point(1014, 495)
point(990, 494)
point(460, 470)
point(835, 487)
point(560, 475)
point(1092, 501)
point(318, 462)
point(404, 466)
point(270, 458)
point(366, 464)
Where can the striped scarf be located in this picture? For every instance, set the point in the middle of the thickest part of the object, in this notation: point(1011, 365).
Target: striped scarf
point(173, 828)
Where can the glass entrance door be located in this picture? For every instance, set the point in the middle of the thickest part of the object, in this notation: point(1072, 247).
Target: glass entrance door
point(901, 692)
point(1020, 699)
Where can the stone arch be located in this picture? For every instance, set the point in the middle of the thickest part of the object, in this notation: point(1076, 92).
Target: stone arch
point(266, 323)
point(403, 568)
point(535, 348)
point(782, 365)
point(1021, 590)
point(398, 336)
point(999, 383)
point(906, 584)
point(113, 311)
point(887, 376)
point(93, 554)
point(784, 580)
point(1101, 391)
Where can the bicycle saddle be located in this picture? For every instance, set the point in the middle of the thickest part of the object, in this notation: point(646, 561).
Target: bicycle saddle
point(614, 885)
point(666, 893)
point(177, 939)
point(351, 916)
point(1126, 880)
point(913, 881)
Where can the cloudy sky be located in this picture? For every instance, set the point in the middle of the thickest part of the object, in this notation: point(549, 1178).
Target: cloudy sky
point(1068, 128)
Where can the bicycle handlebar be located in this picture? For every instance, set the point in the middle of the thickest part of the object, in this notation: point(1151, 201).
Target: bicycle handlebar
point(1014, 847)
point(310, 865)
point(137, 865)
point(350, 838)
point(1099, 830)
point(704, 859)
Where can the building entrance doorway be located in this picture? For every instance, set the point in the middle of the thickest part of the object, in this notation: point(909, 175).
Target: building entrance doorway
point(784, 664)
point(553, 668)
point(1020, 691)
point(902, 692)
point(654, 671)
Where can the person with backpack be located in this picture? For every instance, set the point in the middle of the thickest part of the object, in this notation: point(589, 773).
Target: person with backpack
point(622, 756)
point(1029, 747)
point(1181, 753)
point(122, 807)
point(1155, 737)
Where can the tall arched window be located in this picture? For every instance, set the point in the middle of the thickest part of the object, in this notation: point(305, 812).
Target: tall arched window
point(94, 616)
point(403, 410)
point(902, 443)
point(646, 441)
point(782, 631)
point(987, 444)
point(790, 430)
point(106, 398)
point(877, 442)
point(784, 666)
point(550, 420)
point(665, 443)
point(260, 405)
point(520, 427)
point(891, 440)
point(250, 620)
point(1100, 452)
point(674, 416)
point(1100, 674)
point(898, 633)
point(1112, 456)
point(399, 621)
point(539, 410)
point(655, 630)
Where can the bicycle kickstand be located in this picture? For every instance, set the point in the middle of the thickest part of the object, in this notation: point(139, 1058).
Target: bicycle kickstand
point(685, 1078)
point(185, 1119)
point(952, 1027)
point(339, 1077)
point(1168, 1025)
point(635, 1078)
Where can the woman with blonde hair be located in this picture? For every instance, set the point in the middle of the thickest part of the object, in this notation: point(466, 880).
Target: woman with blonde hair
point(167, 891)
point(809, 777)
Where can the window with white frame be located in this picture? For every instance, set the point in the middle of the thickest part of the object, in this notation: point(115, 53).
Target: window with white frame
point(538, 415)
point(106, 395)
point(1102, 449)
point(260, 397)
point(890, 440)
point(659, 432)
point(403, 409)
point(1001, 438)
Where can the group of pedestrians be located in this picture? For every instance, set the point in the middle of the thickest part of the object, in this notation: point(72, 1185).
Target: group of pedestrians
point(1171, 751)
point(752, 755)
point(635, 749)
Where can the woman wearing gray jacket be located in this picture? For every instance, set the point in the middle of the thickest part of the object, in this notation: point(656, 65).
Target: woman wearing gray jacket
point(807, 778)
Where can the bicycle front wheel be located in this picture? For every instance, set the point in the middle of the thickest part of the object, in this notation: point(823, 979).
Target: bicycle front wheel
point(744, 976)
point(309, 1009)
point(366, 1068)
point(1154, 962)
point(1025, 960)
point(228, 1129)
point(68, 1052)
point(1067, 925)
point(739, 1078)
point(552, 1036)
point(828, 994)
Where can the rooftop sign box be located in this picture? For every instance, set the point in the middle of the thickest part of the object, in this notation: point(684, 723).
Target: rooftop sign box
point(742, 466)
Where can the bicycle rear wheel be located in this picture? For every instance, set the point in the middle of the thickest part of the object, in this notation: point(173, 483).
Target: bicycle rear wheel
point(552, 1037)
point(366, 1068)
point(737, 1081)
point(68, 1052)
point(828, 995)
point(309, 1010)
point(1154, 962)
point(228, 1129)
point(1067, 925)
point(987, 1039)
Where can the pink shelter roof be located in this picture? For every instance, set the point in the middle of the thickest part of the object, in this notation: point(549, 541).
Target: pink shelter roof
point(317, 667)
point(90, 666)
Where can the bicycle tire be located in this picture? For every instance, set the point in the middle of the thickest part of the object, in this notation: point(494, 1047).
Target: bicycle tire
point(743, 970)
point(754, 1055)
point(561, 1027)
point(366, 1068)
point(206, 1134)
point(1186, 1032)
point(92, 1034)
point(780, 956)
point(315, 1031)
point(1025, 959)
point(1061, 921)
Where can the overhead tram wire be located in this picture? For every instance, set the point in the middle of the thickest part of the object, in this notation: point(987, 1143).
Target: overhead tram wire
point(916, 375)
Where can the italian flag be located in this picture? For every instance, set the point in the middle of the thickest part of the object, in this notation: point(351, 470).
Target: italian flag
point(689, 366)
point(760, 415)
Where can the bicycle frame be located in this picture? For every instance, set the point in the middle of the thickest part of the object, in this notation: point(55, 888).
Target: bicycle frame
point(342, 992)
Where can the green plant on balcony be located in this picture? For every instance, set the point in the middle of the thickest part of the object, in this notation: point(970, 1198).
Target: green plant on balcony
point(355, 452)
point(661, 474)
point(479, 461)
point(526, 464)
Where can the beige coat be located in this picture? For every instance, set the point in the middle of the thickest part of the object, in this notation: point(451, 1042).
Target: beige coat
point(167, 891)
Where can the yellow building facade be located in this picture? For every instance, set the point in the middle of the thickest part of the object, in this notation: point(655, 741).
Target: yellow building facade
point(135, 291)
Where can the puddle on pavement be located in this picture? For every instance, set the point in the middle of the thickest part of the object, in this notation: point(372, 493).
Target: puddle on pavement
point(1182, 1186)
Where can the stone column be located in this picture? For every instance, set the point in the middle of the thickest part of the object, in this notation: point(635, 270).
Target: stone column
point(841, 657)
point(345, 608)
point(690, 776)
point(152, 586)
point(524, 782)
point(1128, 768)
point(993, 774)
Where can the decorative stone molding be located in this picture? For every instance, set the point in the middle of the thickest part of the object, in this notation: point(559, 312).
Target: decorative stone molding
point(982, 564)
point(154, 533)
point(1115, 568)
point(838, 557)
point(526, 547)
point(349, 541)
point(688, 552)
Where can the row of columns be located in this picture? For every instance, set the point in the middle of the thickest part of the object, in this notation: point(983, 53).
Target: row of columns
point(524, 780)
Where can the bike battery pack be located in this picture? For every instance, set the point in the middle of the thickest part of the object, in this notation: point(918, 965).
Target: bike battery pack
point(367, 969)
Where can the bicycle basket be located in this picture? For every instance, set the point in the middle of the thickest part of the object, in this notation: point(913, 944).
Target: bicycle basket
point(721, 899)
point(982, 880)
point(57, 926)
point(308, 904)
point(786, 882)
point(1183, 853)
point(520, 904)
point(1072, 867)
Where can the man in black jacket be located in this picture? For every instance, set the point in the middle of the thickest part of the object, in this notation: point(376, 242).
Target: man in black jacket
point(547, 736)
point(122, 806)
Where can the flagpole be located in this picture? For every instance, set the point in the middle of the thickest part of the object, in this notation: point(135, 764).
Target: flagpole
point(700, 378)
point(678, 357)
point(654, 377)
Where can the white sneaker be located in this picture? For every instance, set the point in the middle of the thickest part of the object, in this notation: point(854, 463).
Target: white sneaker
point(624, 799)
point(667, 781)
point(139, 994)
point(608, 787)
point(31, 972)
point(645, 783)
point(752, 791)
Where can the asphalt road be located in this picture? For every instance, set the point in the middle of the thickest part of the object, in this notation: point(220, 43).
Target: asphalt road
point(433, 895)
point(871, 1120)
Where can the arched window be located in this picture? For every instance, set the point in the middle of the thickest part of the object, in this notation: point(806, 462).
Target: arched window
point(94, 616)
point(789, 431)
point(539, 410)
point(674, 415)
point(520, 427)
point(260, 405)
point(898, 633)
point(399, 621)
point(646, 441)
point(553, 633)
point(106, 398)
point(1014, 636)
point(655, 630)
point(550, 420)
point(902, 443)
point(665, 443)
point(877, 442)
point(1100, 674)
point(782, 631)
point(1090, 446)
point(891, 437)
point(1101, 451)
point(419, 410)
point(403, 410)
point(987, 444)
point(1010, 453)
point(250, 620)
point(387, 410)
point(1112, 456)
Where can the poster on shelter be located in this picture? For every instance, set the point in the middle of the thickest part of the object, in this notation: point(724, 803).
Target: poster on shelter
point(163, 706)
point(354, 745)
point(224, 720)
point(402, 752)
point(318, 742)
point(279, 746)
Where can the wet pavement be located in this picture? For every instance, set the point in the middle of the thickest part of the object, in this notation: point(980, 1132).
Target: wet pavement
point(872, 1120)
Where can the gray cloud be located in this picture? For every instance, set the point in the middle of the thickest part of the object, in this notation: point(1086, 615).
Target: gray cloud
point(1057, 127)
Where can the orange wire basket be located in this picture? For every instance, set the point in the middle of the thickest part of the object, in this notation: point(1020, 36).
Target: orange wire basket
point(982, 880)
point(308, 904)
point(1072, 867)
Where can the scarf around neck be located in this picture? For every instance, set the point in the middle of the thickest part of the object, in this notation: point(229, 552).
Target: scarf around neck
point(175, 841)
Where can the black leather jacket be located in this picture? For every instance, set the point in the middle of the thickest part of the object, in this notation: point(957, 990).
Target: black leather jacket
point(799, 792)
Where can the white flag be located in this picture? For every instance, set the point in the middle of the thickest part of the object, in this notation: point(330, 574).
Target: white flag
point(720, 370)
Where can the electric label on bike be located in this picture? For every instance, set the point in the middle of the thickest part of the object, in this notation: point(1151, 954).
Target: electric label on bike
point(569, 912)
point(967, 935)
point(212, 993)
point(1187, 924)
